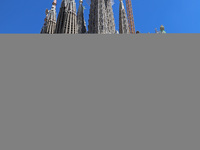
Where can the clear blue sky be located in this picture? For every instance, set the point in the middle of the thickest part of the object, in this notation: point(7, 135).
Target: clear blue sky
point(178, 16)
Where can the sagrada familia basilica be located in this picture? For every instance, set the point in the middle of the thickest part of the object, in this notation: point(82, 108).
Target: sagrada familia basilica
point(101, 19)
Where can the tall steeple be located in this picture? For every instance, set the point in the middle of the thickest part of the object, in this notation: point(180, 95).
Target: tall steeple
point(80, 18)
point(67, 20)
point(123, 21)
point(98, 17)
point(50, 20)
point(110, 17)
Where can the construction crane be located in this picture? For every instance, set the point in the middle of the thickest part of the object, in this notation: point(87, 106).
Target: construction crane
point(130, 16)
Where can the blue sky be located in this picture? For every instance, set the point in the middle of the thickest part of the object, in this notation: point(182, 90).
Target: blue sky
point(178, 16)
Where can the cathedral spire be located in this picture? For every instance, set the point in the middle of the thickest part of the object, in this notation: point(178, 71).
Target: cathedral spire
point(50, 20)
point(110, 17)
point(98, 17)
point(67, 20)
point(123, 21)
point(80, 18)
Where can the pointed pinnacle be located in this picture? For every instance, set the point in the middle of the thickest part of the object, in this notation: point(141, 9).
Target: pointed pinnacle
point(54, 2)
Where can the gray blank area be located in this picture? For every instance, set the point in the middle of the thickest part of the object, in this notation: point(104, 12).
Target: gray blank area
point(100, 92)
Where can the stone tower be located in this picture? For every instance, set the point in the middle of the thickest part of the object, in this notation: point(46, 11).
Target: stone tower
point(80, 18)
point(110, 17)
point(50, 20)
point(67, 20)
point(98, 17)
point(123, 21)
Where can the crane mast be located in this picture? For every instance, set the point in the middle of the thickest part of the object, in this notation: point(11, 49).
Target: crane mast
point(130, 16)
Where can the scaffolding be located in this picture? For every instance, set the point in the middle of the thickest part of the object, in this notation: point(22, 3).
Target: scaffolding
point(130, 16)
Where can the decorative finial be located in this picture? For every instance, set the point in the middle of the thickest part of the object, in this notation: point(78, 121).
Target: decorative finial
point(55, 2)
point(162, 28)
point(46, 12)
point(137, 32)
